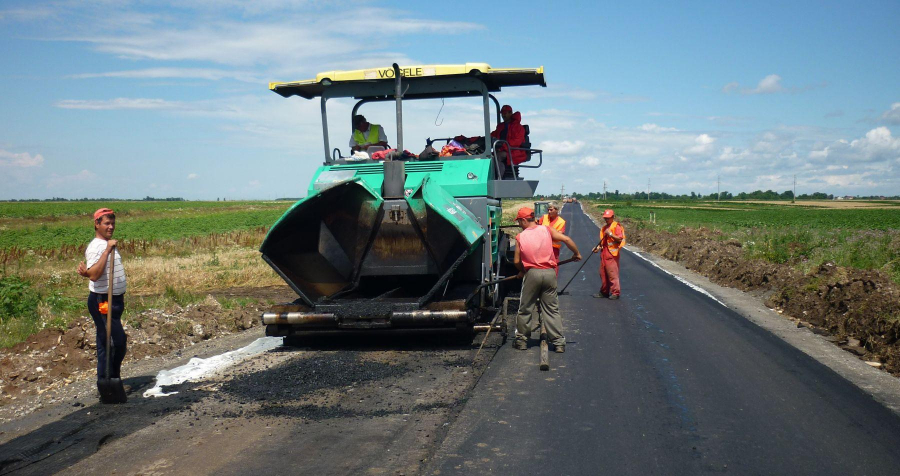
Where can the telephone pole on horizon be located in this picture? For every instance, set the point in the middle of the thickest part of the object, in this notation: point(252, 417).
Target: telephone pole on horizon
point(718, 188)
point(604, 189)
point(562, 192)
point(648, 190)
point(794, 193)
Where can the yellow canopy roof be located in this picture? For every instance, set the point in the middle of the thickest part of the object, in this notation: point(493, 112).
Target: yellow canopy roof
point(493, 78)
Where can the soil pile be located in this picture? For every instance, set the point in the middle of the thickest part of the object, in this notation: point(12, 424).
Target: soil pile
point(53, 358)
point(859, 309)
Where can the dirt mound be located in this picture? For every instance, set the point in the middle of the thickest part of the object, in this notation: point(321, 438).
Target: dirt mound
point(54, 357)
point(859, 309)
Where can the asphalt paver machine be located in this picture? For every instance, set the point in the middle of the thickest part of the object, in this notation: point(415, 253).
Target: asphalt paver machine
point(399, 243)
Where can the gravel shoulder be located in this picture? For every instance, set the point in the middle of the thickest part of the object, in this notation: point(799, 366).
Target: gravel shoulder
point(348, 404)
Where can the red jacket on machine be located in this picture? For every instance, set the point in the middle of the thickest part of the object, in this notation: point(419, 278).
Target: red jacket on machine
point(513, 133)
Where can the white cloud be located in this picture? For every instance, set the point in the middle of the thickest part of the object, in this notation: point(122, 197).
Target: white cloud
point(657, 128)
point(182, 73)
point(768, 85)
point(119, 103)
point(557, 90)
point(192, 176)
point(561, 147)
point(892, 115)
point(771, 84)
point(703, 144)
point(878, 145)
point(21, 159)
point(277, 39)
point(253, 183)
point(589, 161)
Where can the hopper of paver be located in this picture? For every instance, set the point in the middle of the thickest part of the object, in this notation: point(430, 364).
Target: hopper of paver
point(363, 258)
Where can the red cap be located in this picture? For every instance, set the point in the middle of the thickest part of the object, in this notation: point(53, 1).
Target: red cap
point(506, 108)
point(608, 214)
point(102, 211)
point(525, 212)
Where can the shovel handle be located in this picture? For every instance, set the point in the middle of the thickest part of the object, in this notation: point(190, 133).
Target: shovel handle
point(579, 269)
point(109, 297)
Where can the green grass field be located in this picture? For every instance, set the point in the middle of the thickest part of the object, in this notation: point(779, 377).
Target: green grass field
point(802, 236)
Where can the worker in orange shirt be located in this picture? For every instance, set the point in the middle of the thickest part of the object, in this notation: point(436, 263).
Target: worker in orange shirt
point(612, 239)
point(553, 220)
point(537, 268)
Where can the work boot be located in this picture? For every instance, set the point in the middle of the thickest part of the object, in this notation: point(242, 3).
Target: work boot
point(600, 295)
point(614, 296)
point(520, 344)
point(559, 349)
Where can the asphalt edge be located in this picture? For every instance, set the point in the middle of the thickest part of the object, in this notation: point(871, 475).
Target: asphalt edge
point(880, 385)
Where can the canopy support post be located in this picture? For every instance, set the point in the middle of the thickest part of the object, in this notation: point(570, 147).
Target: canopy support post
point(398, 94)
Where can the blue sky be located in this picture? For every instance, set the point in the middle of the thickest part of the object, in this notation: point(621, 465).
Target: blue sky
point(128, 99)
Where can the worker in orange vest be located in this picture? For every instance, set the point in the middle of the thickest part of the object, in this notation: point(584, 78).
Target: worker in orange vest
point(553, 220)
point(612, 239)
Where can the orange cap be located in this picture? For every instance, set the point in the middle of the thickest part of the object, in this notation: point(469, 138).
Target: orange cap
point(608, 214)
point(525, 212)
point(102, 211)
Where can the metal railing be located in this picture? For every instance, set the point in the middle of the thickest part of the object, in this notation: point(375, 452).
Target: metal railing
point(515, 167)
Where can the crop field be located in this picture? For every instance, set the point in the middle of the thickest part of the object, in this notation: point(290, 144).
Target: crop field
point(174, 253)
point(863, 238)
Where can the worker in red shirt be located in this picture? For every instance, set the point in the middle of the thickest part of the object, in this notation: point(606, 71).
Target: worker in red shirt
point(537, 267)
point(511, 131)
point(612, 239)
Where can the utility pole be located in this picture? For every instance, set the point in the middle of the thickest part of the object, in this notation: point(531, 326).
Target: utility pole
point(648, 190)
point(562, 192)
point(604, 190)
point(718, 188)
point(794, 196)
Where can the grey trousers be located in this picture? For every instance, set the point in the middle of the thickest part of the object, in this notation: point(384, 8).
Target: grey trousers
point(540, 284)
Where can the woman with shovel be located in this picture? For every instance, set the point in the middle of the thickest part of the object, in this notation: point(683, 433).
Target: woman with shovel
point(107, 297)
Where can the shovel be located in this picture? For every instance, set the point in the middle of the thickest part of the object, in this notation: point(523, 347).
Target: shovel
point(111, 389)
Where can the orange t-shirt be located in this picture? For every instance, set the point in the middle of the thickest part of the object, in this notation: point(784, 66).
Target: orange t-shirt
point(536, 248)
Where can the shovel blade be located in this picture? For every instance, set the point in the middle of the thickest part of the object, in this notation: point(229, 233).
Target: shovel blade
point(111, 390)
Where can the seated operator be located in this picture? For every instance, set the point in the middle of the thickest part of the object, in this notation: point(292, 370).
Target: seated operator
point(511, 131)
point(366, 135)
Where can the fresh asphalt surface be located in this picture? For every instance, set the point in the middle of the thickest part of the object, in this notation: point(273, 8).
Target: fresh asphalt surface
point(663, 381)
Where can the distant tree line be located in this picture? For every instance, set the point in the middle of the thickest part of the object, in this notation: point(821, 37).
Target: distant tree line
point(100, 199)
point(725, 195)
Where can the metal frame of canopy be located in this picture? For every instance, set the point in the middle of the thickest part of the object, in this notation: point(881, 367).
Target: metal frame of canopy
point(411, 82)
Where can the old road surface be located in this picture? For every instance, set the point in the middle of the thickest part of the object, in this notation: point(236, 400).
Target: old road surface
point(663, 381)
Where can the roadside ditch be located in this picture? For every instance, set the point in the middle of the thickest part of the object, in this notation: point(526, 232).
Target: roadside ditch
point(858, 310)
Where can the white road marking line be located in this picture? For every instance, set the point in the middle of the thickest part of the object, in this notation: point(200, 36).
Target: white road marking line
point(689, 284)
point(198, 368)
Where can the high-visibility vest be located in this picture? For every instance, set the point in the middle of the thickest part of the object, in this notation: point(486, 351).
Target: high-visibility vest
point(611, 244)
point(373, 135)
point(559, 225)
